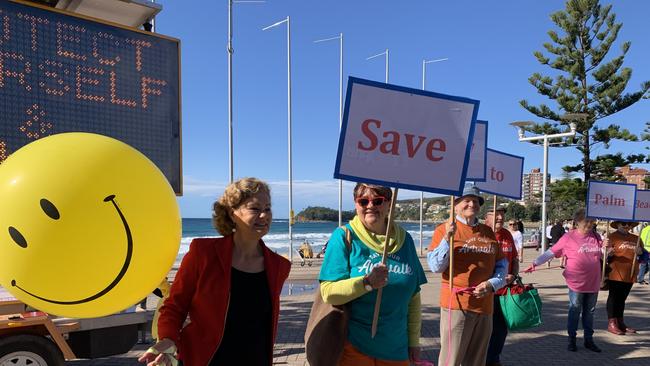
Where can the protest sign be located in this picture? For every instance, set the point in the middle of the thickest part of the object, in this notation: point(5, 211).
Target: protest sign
point(504, 174)
point(611, 200)
point(642, 210)
point(405, 138)
point(477, 162)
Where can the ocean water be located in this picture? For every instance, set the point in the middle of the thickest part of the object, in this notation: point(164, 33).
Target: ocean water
point(277, 239)
point(317, 233)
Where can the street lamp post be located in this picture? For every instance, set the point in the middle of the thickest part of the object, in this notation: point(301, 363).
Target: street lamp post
point(288, 22)
point(230, 51)
point(521, 125)
point(385, 53)
point(424, 80)
point(340, 38)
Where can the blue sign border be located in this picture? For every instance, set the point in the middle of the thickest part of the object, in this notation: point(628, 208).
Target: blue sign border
point(605, 217)
point(351, 82)
point(635, 196)
point(484, 179)
point(521, 174)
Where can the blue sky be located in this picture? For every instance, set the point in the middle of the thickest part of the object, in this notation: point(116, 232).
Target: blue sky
point(489, 44)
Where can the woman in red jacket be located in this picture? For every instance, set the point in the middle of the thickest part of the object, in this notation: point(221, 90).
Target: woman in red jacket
point(230, 288)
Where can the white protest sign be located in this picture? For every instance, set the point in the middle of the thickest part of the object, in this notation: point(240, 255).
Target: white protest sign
point(405, 138)
point(611, 200)
point(477, 162)
point(504, 174)
point(642, 212)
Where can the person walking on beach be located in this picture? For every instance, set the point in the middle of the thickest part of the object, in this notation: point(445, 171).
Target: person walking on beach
point(352, 278)
point(480, 268)
point(499, 326)
point(230, 288)
point(583, 248)
point(621, 278)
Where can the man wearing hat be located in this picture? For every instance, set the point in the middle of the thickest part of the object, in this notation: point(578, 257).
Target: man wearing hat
point(494, 218)
point(479, 269)
point(621, 278)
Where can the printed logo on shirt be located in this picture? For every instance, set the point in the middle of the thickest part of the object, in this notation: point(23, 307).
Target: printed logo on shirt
point(398, 268)
point(627, 245)
point(586, 248)
point(478, 245)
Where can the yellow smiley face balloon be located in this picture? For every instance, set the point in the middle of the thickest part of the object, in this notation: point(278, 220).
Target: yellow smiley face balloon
point(88, 226)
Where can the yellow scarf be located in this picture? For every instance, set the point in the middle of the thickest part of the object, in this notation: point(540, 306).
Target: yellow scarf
point(376, 241)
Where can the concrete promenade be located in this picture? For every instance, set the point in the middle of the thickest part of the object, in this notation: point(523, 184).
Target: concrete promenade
point(545, 345)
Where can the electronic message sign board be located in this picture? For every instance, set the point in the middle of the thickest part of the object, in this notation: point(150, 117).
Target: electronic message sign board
point(64, 73)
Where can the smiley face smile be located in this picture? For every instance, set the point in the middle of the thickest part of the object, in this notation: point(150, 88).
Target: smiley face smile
point(51, 211)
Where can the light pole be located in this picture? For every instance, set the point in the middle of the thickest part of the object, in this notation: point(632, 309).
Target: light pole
point(424, 81)
point(230, 51)
point(340, 38)
point(380, 54)
point(521, 125)
point(286, 20)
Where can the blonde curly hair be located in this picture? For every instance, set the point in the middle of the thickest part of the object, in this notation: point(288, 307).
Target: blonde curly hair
point(234, 195)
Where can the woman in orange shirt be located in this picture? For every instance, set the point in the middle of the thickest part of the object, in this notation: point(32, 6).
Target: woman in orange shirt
point(621, 278)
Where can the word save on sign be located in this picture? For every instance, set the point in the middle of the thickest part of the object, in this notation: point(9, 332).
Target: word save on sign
point(610, 200)
point(391, 144)
point(504, 174)
point(406, 138)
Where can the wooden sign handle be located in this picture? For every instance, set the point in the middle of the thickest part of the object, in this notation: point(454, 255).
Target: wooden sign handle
point(451, 247)
point(375, 316)
point(638, 241)
point(602, 274)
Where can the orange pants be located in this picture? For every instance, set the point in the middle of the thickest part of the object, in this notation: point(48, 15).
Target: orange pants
point(352, 357)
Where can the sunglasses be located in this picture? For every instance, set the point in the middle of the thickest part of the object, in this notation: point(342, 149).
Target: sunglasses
point(377, 201)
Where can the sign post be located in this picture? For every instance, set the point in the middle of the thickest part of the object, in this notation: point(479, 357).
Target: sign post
point(375, 316)
point(638, 242)
point(451, 247)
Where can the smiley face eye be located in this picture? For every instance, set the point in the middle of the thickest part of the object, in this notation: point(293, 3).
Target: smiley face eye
point(17, 237)
point(49, 209)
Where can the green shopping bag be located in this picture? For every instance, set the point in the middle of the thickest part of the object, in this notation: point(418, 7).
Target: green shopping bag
point(523, 310)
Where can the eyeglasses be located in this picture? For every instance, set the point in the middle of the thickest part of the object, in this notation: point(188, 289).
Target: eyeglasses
point(511, 224)
point(376, 201)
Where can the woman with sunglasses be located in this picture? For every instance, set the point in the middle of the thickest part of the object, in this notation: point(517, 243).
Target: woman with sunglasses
point(353, 277)
point(621, 278)
point(583, 248)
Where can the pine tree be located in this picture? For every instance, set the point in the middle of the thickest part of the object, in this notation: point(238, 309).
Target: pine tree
point(585, 82)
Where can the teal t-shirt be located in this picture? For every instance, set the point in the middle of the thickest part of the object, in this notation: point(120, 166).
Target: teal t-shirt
point(405, 275)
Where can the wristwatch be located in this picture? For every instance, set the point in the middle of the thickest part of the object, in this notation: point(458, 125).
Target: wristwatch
point(366, 284)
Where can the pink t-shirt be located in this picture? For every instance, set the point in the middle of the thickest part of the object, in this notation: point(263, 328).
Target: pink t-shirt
point(582, 272)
